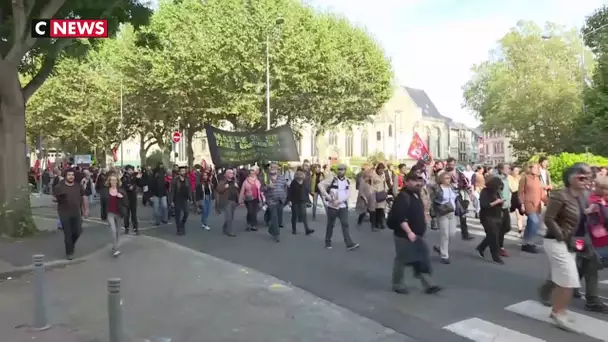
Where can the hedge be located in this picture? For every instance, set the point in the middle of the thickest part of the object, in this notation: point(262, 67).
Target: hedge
point(559, 163)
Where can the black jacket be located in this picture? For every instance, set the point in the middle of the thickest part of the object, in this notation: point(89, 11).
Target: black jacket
point(297, 193)
point(128, 181)
point(123, 203)
point(157, 186)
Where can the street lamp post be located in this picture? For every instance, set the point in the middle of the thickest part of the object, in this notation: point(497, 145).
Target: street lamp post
point(278, 22)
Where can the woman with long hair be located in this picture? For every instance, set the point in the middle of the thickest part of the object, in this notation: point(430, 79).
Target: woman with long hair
point(204, 194)
point(251, 195)
point(381, 189)
point(565, 211)
point(490, 216)
point(366, 200)
point(114, 206)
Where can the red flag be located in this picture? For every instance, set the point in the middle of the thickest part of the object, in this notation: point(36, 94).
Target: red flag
point(114, 155)
point(418, 149)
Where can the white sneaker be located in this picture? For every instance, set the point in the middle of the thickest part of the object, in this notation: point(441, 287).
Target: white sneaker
point(116, 253)
point(563, 321)
point(207, 227)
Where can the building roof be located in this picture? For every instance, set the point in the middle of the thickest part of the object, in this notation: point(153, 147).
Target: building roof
point(423, 101)
point(478, 131)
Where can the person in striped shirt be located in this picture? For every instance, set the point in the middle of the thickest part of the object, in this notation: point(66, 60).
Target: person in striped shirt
point(276, 195)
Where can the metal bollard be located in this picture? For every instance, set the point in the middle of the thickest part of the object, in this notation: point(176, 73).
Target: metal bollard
point(115, 314)
point(40, 317)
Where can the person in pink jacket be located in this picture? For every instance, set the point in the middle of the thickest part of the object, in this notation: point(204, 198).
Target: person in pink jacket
point(251, 195)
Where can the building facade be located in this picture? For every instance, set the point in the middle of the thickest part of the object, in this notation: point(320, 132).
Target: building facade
point(497, 148)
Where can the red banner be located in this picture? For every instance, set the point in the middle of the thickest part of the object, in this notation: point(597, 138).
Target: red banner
point(418, 149)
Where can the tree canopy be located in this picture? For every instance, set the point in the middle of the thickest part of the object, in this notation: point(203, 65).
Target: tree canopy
point(530, 88)
point(593, 124)
point(324, 72)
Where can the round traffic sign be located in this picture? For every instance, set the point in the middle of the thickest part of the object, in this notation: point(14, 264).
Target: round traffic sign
point(177, 137)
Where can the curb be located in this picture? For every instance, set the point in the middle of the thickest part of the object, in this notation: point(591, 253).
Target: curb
point(54, 264)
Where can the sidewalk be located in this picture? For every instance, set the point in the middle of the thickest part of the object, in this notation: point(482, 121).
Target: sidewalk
point(176, 293)
point(16, 254)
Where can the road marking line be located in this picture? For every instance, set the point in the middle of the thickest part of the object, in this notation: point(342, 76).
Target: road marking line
point(478, 330)
point(507, 237)
point(582, 324)
point(605, 282)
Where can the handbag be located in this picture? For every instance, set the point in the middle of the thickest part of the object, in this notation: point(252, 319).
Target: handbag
point(381, 196)
point(444, 209)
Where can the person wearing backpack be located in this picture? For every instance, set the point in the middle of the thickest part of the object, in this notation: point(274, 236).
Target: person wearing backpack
point(336, 192)
point(409, 224)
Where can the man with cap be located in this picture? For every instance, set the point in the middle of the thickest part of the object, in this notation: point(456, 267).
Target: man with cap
point(129, 184)
point(336, 192)
point(181, 196)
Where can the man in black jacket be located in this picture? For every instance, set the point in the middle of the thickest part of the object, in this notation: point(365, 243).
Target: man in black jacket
point(407, 219)
point(158, 194)
point(180, 197)
point(129, 184)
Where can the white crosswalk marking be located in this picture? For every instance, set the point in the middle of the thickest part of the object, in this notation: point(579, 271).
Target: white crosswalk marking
point(582, 324)
point(478, 330)
point(605, 282)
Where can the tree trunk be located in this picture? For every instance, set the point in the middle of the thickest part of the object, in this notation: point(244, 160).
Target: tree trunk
point(15, 211)
point(189, 151)
point(321, 146)
point(143, 151)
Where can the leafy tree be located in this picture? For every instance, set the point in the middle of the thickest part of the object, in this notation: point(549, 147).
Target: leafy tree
point(36, 58)
point(530, 88)
point(593, 124)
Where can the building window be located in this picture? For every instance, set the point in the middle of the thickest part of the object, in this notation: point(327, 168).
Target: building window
point(379, 136)
point(204, 143)
point(364, 144)
point(333, 139)
point(428, 138)
point(299, 145)
point(313, 144)
point(438, 143)
point(348, 144)
point(390, 131)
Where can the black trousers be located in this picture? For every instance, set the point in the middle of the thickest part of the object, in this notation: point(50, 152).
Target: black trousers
point(72, 228)
point(492, 227)
point(181, 216)
point(505, 226)
point(378, 218)
point(252, 212)
point(131, 214)
point(298, 214)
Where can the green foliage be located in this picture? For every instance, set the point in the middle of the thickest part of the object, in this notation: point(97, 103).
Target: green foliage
point(559, 163)
point(376, 157)
point(351, 172)
point(154, 158)
point(593, 124)
point(530, 88)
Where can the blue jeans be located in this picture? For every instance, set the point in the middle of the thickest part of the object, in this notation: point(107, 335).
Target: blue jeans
point(161, 212)
point(532, 228)
point(315, 199)
point(205, 210)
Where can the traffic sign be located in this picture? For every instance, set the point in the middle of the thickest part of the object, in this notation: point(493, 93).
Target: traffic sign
point(177, 137)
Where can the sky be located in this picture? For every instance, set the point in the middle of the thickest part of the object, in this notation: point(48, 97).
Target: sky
point(434, 43)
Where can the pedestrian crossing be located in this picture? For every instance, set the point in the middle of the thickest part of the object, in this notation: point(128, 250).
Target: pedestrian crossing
point(479, 330)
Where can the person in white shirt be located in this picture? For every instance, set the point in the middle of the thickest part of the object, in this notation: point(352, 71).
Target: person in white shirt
point(336, 192)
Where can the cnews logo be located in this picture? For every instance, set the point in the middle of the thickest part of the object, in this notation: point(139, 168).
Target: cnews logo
point(69, 28)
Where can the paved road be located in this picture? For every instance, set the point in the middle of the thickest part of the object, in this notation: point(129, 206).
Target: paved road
point(482, 302)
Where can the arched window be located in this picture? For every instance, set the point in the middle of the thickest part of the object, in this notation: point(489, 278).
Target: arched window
point(313, 144)
point(332, 139)
point(390, 131)
point(428, 138)
point(437, 143)
point(348, 144)
point(299, 145)
point(364, 144)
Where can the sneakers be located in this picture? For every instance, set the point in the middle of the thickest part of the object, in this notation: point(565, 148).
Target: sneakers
point(529, 249)
point(562, 321)
point(205, 227)
point(115, 253)
point(354, 246)
point(503, 252)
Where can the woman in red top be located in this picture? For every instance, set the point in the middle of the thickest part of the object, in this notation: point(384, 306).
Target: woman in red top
point(113, 208)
